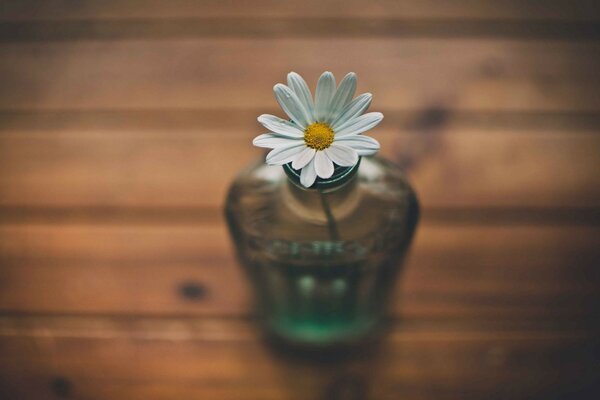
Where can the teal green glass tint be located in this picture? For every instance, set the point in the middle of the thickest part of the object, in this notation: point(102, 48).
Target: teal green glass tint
point(322, 263)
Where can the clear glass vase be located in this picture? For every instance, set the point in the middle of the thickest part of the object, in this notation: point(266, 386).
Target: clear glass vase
point(322, 262)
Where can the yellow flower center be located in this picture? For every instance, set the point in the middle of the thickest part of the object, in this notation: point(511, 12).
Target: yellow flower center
point(318, 136)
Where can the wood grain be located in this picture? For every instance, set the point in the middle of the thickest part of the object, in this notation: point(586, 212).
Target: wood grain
point(215, 358)
point(449, 165)
point(122, 123)
point(271, 28)
point(429, 9)
point(429, 118)
point(454, 271)
point(206, 73)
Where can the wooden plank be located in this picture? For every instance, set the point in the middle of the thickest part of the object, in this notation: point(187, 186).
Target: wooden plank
point(150, 216)
point(427, 9)
point(449, 165)
point(98, 358)
point(271, 28)
point(470, 271)
point(239, 119)
point(224, 73)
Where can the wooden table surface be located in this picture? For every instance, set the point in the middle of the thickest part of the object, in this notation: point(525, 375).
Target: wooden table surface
point(122, 123)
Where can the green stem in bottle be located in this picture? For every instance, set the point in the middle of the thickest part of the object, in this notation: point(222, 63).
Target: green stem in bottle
point(331, 225)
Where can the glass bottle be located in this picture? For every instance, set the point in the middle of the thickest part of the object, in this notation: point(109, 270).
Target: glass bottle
point(322, 261)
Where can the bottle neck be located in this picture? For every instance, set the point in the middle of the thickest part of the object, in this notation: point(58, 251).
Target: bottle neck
point(315, 204)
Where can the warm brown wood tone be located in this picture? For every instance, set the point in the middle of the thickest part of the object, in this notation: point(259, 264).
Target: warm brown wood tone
point(208, 73)
point(122, 124)
point(459, 271)
point(169, 358)
point(265, 27)
point(426, 9)
point(450, 165)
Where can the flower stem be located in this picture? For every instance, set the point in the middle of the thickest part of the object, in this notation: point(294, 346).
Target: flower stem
point(331, 225)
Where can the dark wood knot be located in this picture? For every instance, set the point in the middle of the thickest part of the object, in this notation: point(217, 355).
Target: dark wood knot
point(61, 386)
point(431, 118)
point(192, 290)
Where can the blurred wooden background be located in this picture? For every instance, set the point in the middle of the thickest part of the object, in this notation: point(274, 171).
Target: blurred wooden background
point(122, 124)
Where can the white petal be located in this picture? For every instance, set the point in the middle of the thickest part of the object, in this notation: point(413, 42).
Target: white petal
point(352, 110)
point(343, 96)
point(343, 156)
point(303, 158)
point(285, 154)
point(299, 86)
point(363, 145)
point(323, 165)
point(292, 106)
point(270, 141)
point(359, 124)
point(308, 175)
point(323, 95)
point(280, 126)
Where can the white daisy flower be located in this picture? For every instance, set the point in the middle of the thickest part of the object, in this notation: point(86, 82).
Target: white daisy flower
point(322, 132)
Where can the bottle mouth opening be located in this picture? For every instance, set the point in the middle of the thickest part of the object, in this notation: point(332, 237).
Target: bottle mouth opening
point(341, 176)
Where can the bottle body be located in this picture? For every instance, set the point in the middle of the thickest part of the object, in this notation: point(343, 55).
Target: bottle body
point(322, 262)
